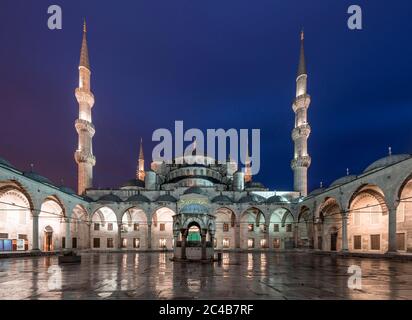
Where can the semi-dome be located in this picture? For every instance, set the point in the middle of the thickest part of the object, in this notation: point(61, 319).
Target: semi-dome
point(87, 198)
point(276, 199)
point(109, 198)
point(387, 161)
point(37, 177)
point(194, 208)
point(138, 198)
point(67, 190)
point(251, 198)
point(5, 163)
point(133, 183)
point(222, 199)
point(195, 190)
point(166, 198)
point(317, 191)
point(343, 180)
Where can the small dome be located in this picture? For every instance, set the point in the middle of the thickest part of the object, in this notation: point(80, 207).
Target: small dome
point(67, 190)
point(343, 180)
point(222, 200)
point(316, 191)
point(166, 198)
point(254, 185)
point(37, 177)
point(276, 199)
point(138, 198)
point(109, 198)
point(194, 208)
point(133, 183)
point(251, 198)
point(387, 161)
point(5, 163)
point(195, 190)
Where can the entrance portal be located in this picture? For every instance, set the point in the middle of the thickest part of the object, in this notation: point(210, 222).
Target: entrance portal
point(48, 239)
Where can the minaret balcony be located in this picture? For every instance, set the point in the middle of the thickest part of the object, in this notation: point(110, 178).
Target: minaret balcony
point(83, 96)
point(83, 157)
point(301, 131)
point(302, 161)
point(85, 126)
point(302, 101)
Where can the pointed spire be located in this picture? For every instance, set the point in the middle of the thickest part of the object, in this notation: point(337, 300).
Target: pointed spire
point(302, 61)
point(84, 53)
point(141, 154)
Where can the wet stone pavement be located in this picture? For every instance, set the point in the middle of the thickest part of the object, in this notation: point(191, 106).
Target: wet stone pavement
point(239, 276)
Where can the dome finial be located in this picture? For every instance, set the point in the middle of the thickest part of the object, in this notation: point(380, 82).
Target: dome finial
point(390, 151)
point(347, 171)
point(321, 184)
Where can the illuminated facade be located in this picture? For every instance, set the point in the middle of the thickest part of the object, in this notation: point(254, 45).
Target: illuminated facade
point(171, 206)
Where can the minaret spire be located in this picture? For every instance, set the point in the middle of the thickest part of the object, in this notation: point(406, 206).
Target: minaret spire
point(302, 60)
point(140, 174)
point(85, 129)
point(84, 52)
point(300, 134)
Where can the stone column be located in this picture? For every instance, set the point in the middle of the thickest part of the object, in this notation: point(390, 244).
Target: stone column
point(203, 245)
point(35, 240)
point(184, 236)
point(119, 235)
point(296, 235)
point(392, 245)
point(237, 236)
point(68, 245)
point(267, 234)
point(149, 236)
point(344, 232)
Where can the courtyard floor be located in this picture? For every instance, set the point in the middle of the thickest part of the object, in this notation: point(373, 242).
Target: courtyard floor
point(239, 276)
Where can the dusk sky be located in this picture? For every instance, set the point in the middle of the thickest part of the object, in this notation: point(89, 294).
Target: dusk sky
point(213, 64)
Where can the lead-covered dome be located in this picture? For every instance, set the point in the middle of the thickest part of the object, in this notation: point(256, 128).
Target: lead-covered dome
point(317, 191)
point(195, 190)
point(276, 199)
point(35, 176)
point(387, 161)
point(166, 198)
point(222, 199)
point(343, 180)
point(5, 163)
point(251, 198)
point(109, 198)
point(194, 208)
point(138, 198)
point(133, 183)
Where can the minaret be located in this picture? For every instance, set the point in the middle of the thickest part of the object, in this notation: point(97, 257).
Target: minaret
point(300, 134)
point(248, 170)
point(84, 126)
point(140, 173)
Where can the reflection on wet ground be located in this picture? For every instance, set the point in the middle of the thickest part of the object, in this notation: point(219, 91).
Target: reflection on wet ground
point(239, 276)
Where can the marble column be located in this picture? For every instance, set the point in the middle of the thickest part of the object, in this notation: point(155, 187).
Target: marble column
point(35, 240)
point(267, 234)
point(203, 241)
point(345, 233)
point(119, 236)
point(149, 236)
point(392, 245)
point(68, 245)
point(296, 235)
point(184, 236)
point(237, 236)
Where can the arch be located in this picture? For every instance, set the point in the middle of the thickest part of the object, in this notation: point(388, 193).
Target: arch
point(104, 229)
point(368, 220)
point(252, 228)
point(79, 226)
point(52, 215)
point(287, 217)
point(16, 215)
point(134, 229)
point(162, 228)
point(404, 217)
point(305, 228)
point(16, 185)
